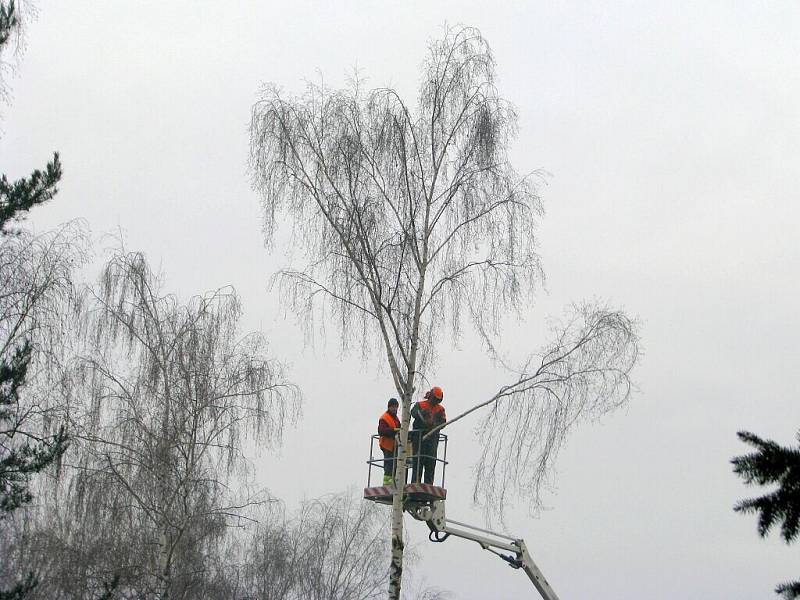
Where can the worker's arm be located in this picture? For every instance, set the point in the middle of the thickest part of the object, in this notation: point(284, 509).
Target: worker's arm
point(385, 430)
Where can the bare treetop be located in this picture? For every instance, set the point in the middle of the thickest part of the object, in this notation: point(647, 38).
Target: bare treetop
point(399, 210)
point(187, 354)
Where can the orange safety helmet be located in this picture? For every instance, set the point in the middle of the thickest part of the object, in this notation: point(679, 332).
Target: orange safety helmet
point(437, 393)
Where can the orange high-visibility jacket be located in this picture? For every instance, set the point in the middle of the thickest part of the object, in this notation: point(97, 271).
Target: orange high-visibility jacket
point(433, 414)
point(388, 422)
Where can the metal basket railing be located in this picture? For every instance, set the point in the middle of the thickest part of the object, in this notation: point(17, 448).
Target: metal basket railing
point(414, 462)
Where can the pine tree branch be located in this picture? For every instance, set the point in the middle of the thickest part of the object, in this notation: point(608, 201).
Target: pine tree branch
point(20, 196)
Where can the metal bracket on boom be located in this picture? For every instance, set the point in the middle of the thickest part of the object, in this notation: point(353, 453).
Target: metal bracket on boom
point(441, 528)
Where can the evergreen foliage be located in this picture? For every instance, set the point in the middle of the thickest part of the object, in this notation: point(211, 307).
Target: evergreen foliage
point(20, 590)
point(8, 21)
point(18, 462)
point(22, 453)
point(20, 196)
point(772, 464)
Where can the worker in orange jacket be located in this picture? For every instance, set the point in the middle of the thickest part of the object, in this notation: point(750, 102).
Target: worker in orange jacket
point(388, 428)
point(427, 413)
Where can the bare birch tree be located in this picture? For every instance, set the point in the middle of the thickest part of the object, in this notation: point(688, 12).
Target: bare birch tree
point(36, 272)
point(412, 221)
point(162, 400)
point(343, 548)
point(332, 549)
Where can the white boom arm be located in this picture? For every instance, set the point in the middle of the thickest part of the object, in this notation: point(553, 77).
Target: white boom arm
point(441, 528)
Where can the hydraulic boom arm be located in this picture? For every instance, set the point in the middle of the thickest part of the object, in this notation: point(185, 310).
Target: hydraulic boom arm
point(519, 558)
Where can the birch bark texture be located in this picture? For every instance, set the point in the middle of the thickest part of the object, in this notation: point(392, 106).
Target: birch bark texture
point(411, 220)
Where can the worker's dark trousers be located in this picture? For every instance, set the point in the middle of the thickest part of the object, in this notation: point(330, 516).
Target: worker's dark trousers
point(428, 460)
point(424, 459)
point(388, 462)
point(416, 464)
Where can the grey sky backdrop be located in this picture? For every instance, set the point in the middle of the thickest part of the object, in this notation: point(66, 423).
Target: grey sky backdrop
point(672, 133)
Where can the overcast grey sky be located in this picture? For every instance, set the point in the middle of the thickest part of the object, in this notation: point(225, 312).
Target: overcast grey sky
point(672, 133)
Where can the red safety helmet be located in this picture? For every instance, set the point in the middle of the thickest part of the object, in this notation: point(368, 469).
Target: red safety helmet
point(437, 393)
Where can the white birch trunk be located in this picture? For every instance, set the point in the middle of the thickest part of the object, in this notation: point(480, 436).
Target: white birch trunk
point(396, 564)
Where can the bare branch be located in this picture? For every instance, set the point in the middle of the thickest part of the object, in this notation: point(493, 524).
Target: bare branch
point(582, 374)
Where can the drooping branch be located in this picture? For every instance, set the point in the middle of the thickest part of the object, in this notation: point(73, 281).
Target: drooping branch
point(582, 374)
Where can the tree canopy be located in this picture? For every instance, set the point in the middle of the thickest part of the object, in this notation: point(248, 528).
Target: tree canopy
point(412, 222)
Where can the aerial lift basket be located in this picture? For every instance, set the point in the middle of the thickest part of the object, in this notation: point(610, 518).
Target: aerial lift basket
point(413, 492)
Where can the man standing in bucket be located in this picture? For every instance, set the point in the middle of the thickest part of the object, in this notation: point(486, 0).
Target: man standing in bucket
point(427, 413)
point(388, 428)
